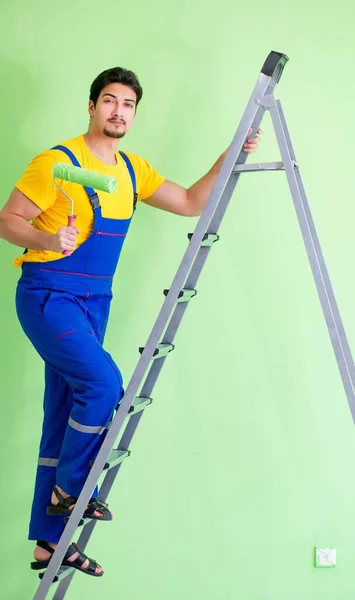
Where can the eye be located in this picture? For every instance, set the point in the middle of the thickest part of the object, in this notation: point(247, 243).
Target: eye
point(129, 105)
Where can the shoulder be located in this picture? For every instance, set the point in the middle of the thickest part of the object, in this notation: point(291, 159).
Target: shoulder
point(52, 155)
point(74, 145)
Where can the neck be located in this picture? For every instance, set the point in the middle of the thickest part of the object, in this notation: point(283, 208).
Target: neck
point(101, 146)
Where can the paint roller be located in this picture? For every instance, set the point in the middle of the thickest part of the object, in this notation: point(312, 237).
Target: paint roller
point(98, 181)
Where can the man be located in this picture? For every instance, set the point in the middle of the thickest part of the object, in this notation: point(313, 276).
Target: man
point(63, 300)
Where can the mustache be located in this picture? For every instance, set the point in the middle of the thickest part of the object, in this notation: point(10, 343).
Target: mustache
point(120, 119)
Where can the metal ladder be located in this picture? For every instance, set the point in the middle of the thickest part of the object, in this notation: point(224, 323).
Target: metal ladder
point(182, 290)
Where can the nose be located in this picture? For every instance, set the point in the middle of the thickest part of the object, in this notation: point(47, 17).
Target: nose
point(118, 109)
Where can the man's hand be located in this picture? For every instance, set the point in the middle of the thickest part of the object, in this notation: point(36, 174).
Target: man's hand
point(64, 239)
point(15, 227)
point(252, 144)
point(190, 202)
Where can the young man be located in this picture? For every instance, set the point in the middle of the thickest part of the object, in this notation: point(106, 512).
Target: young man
point(63, 300)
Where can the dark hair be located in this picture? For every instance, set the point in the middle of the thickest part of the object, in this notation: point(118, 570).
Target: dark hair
point(115, 75)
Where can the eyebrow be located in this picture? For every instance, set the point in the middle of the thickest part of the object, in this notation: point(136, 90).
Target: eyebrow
point(125, 99)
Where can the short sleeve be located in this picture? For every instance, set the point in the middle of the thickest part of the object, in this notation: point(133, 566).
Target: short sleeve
point(148, 179)
point(37, 181)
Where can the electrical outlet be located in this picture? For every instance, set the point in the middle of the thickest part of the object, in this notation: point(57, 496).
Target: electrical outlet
point(325, 557)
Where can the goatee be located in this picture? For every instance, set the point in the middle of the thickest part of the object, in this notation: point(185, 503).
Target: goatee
point(114, 134)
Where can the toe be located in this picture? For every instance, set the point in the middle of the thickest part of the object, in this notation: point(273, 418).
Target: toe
point(98, 569)
point(100, 515)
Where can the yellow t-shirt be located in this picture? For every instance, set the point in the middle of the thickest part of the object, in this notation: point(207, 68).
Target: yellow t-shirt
point(37, 184)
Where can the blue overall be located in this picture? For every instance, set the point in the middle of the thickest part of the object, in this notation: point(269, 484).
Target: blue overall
point(63, 307)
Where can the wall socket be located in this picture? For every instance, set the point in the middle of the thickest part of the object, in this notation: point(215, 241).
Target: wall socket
point(325, 557)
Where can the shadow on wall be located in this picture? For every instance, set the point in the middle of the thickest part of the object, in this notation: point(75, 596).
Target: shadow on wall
point(17, 97)
point(20, 370)
point(16, 101)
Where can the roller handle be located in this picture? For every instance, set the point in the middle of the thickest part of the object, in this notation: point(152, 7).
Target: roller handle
point(71, 223)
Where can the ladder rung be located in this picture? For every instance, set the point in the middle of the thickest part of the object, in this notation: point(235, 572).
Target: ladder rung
point(62, 573)
point(160, 351)
point(81, 522)
point(271, 166)
point(116, 457)
point(184, 296)
point(208, 239)
point(139, 404)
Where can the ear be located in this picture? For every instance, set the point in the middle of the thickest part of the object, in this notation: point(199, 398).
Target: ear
point(91, 108)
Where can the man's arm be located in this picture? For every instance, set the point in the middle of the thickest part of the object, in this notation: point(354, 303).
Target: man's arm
point(16, 229)
point(190, 202)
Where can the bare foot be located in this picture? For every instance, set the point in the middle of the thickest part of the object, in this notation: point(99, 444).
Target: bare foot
point(41, 554)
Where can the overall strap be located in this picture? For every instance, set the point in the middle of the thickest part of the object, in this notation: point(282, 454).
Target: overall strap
point(132, 176)
point(93, 197)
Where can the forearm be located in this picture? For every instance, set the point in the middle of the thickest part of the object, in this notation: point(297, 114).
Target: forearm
point(199, 192)
point(18, 231)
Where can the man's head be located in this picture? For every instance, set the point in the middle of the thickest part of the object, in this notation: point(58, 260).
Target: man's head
point(114, 97)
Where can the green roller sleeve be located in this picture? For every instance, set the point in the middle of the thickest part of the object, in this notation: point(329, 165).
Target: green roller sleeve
point(105, 183)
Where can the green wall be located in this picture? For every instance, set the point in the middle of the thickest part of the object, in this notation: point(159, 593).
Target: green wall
point(245, 460)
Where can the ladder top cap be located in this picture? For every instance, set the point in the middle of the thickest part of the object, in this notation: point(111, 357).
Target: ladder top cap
point(274, 65)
